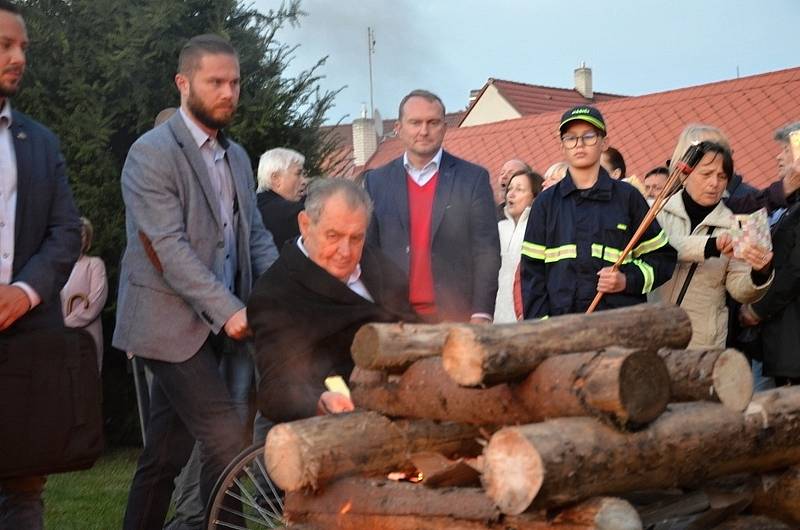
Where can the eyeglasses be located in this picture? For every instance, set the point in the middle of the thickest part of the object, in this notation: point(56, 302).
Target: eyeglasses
point(570, 141)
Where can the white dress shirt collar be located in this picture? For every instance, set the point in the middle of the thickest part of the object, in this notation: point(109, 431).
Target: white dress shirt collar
point(354, 282)
point(5, 114)
point(424, 175)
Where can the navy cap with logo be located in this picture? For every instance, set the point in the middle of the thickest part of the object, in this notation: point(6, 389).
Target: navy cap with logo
point(585, 113)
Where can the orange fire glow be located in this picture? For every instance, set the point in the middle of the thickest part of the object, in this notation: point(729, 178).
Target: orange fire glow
point(346, 508)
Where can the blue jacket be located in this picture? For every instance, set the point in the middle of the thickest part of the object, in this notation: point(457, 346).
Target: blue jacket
point(572, 234)
point(47, 238)
point(465, 246)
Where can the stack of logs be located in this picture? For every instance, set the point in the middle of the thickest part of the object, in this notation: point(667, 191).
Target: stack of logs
point(601, 421)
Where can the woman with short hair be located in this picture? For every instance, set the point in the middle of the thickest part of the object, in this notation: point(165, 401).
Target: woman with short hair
point(699, 226)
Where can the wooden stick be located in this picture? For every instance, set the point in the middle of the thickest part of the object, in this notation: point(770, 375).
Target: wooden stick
point(682, 169)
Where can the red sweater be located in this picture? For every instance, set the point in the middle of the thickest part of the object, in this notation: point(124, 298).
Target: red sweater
point(421, 293)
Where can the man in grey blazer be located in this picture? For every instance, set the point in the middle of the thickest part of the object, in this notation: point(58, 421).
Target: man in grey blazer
point(435, 217)
point(196, 244)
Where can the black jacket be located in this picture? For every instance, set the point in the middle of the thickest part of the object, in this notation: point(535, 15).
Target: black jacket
point(573, 233)
point(304, 321)
point(780, 307)
point(280, 216)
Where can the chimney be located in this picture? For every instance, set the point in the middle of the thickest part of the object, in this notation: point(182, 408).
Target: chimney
point(583, 81)
point(365, 140)
point(473, 95)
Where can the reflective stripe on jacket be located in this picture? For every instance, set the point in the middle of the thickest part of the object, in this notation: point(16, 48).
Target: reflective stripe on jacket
point(574, 233)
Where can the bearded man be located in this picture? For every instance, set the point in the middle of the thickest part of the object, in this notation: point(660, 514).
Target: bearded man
point(196, 244)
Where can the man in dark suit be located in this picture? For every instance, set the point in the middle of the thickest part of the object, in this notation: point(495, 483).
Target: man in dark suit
point(39, 238)
point(435, 217)
point(195, 244)
point(306, 309)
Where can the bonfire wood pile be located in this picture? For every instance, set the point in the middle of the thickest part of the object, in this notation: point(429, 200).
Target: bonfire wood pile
point(601, 421)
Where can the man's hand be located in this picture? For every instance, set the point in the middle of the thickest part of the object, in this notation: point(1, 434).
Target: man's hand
point(610, 281)
point(14, 303)
point(236, 326)
point(334, 403)
point(725, 244)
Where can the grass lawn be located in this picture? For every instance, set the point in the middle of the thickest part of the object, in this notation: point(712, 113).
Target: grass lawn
point(93, 499)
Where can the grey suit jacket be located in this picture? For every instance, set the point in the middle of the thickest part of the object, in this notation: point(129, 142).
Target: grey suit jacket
point(465, 246)
point(170, 293)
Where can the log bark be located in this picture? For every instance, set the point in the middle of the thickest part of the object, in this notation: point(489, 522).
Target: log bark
point(569, 459)
point(711, 375)
point(307, 453)
point(322, 521)
point(380, 496)
point(360, 503)
point(475, 355)
point(619, 384)
point(394, 347)
point(778, 495)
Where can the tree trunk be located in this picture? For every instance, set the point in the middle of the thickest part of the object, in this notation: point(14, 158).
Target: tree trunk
point(475, 355)
point(778, 495)
point(623, 385)
point(310, 452)
point(394, 347)
point(568, 459)
point(710, 375)
point(359, 503)
point(380, 496)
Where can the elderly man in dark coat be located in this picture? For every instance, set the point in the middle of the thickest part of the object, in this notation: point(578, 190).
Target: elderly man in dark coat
point(305, 310)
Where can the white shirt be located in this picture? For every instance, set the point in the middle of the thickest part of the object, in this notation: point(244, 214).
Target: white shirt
point(8, 205)
point(354, 282)
point(222, 181)
point(424, 175)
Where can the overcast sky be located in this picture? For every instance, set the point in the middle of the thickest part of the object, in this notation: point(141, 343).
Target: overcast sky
point(452, 46)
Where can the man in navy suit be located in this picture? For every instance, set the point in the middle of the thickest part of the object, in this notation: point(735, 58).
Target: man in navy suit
point(435, 217)
point(39, 238)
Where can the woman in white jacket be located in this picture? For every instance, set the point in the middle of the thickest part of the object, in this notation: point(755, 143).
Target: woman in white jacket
point(522, 188)
point(85, 293)
point(698, 225)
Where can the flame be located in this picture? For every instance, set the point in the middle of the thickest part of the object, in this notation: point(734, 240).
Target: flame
point(346, 508)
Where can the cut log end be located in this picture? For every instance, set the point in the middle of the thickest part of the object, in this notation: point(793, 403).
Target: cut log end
point(462, 356)
point(643, 402)
point(513, 471)
point(288, 472)
point(617, 514)
point(733, 380)
point(364, 348)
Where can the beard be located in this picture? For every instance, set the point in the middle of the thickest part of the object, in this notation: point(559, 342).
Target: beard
point(207, 115)
point(8, 90)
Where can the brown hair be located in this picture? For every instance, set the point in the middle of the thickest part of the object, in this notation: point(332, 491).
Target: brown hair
point(199, 46)
point(419, 93)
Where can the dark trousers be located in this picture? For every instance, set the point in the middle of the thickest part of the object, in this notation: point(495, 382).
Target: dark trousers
point(189, 401)
point(21, 503)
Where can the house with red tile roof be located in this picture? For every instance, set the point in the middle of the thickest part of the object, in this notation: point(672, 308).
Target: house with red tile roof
point(644, 128)
point(500, 100)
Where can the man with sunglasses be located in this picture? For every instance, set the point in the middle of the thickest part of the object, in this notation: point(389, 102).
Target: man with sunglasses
point(578, 228)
